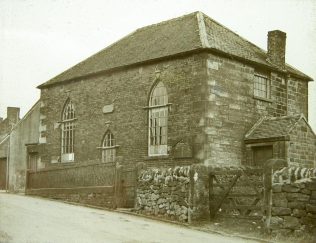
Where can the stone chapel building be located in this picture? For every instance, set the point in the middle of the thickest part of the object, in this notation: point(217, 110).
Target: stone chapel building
point(183, 91)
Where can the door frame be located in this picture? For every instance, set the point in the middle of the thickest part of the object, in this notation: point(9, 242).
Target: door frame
point(254, 148)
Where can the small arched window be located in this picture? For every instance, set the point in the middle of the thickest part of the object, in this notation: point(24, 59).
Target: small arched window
point(68, 132)
point(158, 118)
point(108, 148)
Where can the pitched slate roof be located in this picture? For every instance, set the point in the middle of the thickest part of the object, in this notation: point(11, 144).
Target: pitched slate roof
point(273, 127)
point(187, 33)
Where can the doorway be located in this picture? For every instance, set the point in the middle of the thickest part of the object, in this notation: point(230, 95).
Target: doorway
point(261, 154)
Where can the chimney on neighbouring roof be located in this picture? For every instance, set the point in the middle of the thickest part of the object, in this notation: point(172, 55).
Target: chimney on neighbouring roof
point(276, 48)
point(13, 114)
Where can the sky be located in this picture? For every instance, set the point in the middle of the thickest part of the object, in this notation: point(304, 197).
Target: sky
point(41, 38)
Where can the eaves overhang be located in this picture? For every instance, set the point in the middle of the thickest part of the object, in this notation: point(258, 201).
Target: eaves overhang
point(268, 139)
point(175, 56)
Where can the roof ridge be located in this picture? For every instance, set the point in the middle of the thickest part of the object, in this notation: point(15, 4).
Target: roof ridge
point(202, 30)
point(239, 36)
point(301, 116)
point(199, 32)
point(294, 125)
point(116, 42)
point(167, 21)
point(255, 126)
point(252, 44)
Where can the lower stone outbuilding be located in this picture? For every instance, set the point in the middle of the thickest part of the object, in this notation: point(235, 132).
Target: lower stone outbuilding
point(287, 137)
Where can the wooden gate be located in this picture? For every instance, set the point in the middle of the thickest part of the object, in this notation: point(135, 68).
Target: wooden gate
point(125, 187)
point(238, 193)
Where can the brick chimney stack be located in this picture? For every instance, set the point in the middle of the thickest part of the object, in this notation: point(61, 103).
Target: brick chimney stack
point(13, 114)
point(276, 48)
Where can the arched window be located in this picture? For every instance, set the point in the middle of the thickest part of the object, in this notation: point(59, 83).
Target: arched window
point(158, 118)
point(68, 132)
point(108, 148)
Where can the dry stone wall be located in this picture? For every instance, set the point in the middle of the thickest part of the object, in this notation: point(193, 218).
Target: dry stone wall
point(292, 174)
point(164, 193)
point(182, 194)
point(178, 193)
point(294, 207)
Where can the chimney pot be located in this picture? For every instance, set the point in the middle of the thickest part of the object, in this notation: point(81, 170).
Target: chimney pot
point(13, 114)
point(276, 48)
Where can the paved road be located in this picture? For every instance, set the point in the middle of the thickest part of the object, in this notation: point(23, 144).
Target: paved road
point(33, 220)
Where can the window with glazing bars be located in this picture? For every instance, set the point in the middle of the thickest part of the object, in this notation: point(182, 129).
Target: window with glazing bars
point(68, 131)
point(108, 148)
point(262, 86)
point(158, 118)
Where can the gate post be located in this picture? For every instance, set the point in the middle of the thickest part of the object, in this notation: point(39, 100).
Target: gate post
point(191, 195)
point(27, 180)
point(267, 179)
point(117, 181)
point(211, 196)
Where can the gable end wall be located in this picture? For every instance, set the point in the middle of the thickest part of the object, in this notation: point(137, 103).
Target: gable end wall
point(302, 146)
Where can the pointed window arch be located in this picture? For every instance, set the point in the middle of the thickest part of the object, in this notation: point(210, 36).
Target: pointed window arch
point(108, 148)
point(68, 132)
point(158, 118)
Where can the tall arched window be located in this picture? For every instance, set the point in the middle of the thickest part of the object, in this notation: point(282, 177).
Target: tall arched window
point(68, 132)
point(158, 118)
point(108, 148)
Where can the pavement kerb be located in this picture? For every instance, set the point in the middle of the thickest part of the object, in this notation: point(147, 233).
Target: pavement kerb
point(124, 211)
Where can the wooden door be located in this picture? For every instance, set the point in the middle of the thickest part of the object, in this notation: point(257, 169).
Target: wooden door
point(32, 162)
point(261, 154)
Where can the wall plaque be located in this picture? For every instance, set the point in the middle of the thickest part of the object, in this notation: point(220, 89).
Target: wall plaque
point(108, 108)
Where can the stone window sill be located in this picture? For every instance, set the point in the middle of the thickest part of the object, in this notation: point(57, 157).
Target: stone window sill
point(262, 99)
point(157, 157)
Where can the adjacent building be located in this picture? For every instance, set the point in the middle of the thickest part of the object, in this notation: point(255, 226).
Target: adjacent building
point(16, 154)
point(6, 125)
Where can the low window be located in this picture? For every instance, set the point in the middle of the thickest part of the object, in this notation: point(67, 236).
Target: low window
point(262, 86)
point(108, 148)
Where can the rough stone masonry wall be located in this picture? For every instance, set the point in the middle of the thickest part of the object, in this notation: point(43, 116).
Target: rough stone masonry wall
point(294, 207)
point(128, 91)
point(179, 193)
point(232, 108)
point(297, 97)
point(164, 192)
point(302, 147)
